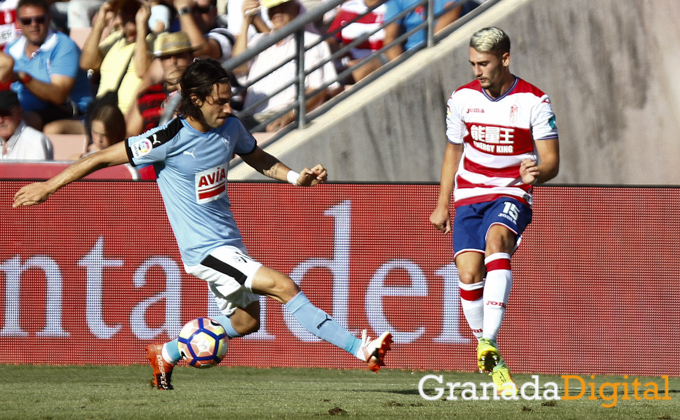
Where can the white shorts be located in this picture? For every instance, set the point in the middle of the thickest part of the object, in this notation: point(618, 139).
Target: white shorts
point(229, 273)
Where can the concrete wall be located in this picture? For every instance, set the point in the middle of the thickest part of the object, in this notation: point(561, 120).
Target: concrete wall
point(611, 68)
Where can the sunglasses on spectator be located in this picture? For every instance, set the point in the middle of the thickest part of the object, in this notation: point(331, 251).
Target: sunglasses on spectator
point(38, 20)
point(204, 10)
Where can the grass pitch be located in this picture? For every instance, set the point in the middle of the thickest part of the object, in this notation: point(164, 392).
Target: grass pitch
point(123, 392)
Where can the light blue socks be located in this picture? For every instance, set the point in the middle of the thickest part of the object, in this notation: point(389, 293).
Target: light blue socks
point(321, 324)
point(226, 324)
point(309, 316)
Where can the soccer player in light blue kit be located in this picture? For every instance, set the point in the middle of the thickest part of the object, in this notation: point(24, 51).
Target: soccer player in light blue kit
point(191, 157)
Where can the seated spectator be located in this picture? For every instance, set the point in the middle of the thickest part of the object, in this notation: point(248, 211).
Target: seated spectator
point(369, 23)
point(123, 57)
point(411, 20)
point(173, 54)
point(198, 19)
point(49, 83)
point(106, 127)
point(17, 140)
point(281, 12)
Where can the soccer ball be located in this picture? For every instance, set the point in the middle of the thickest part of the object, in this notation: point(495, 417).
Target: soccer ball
point(202, 343)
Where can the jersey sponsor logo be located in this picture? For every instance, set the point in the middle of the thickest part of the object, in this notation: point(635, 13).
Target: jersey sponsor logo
point(475, 110)
point(491, 139)
point(156, 142)
point(141, 147)
point(211, 184)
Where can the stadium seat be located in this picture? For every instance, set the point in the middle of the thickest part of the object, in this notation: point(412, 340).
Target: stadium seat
point(67, 145)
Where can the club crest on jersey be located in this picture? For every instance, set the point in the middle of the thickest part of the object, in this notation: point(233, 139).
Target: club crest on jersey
point(141, 147)
point(513, 114)
point(211, 184)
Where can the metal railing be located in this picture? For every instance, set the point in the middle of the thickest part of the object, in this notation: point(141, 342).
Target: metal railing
point(297, 27)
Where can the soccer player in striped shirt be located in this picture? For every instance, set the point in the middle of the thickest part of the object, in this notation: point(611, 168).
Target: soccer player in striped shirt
point(502, 140)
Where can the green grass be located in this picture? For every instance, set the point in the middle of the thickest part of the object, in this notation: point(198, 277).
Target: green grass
point(123, 392)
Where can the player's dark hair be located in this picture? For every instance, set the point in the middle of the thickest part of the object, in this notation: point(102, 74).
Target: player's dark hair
point(35, 3)
point(199, 79)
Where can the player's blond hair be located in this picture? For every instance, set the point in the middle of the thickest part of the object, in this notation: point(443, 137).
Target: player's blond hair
point(491, 40)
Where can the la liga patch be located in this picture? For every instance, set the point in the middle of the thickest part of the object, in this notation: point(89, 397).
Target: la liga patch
point(141, 147)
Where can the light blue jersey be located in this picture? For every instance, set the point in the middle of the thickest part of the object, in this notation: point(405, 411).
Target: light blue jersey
point(191, 169)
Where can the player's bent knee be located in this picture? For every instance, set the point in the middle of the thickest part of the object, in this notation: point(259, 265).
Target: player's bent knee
point(287, 289)
point(275, 285)
point(469, 277)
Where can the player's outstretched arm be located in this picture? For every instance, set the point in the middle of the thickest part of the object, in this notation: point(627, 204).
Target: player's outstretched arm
point(270, 166)
point(38, 192)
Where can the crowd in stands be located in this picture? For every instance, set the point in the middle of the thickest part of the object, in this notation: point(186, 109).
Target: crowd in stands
point(106, 69)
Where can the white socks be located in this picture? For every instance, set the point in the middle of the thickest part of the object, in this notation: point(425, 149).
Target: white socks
point(496, 292)
point(473, 306)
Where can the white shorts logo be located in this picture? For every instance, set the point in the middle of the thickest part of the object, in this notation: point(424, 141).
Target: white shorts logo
point(211, 184)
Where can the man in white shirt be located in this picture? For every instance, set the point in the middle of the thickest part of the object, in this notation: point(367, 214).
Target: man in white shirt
point(17, 140)
point(281, 12)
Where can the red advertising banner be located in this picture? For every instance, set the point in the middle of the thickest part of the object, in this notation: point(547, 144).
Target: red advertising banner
point(94, 274)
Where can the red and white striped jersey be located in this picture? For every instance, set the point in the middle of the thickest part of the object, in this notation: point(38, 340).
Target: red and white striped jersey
point(497, 134)
point(366, 24)
point(8, 18)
